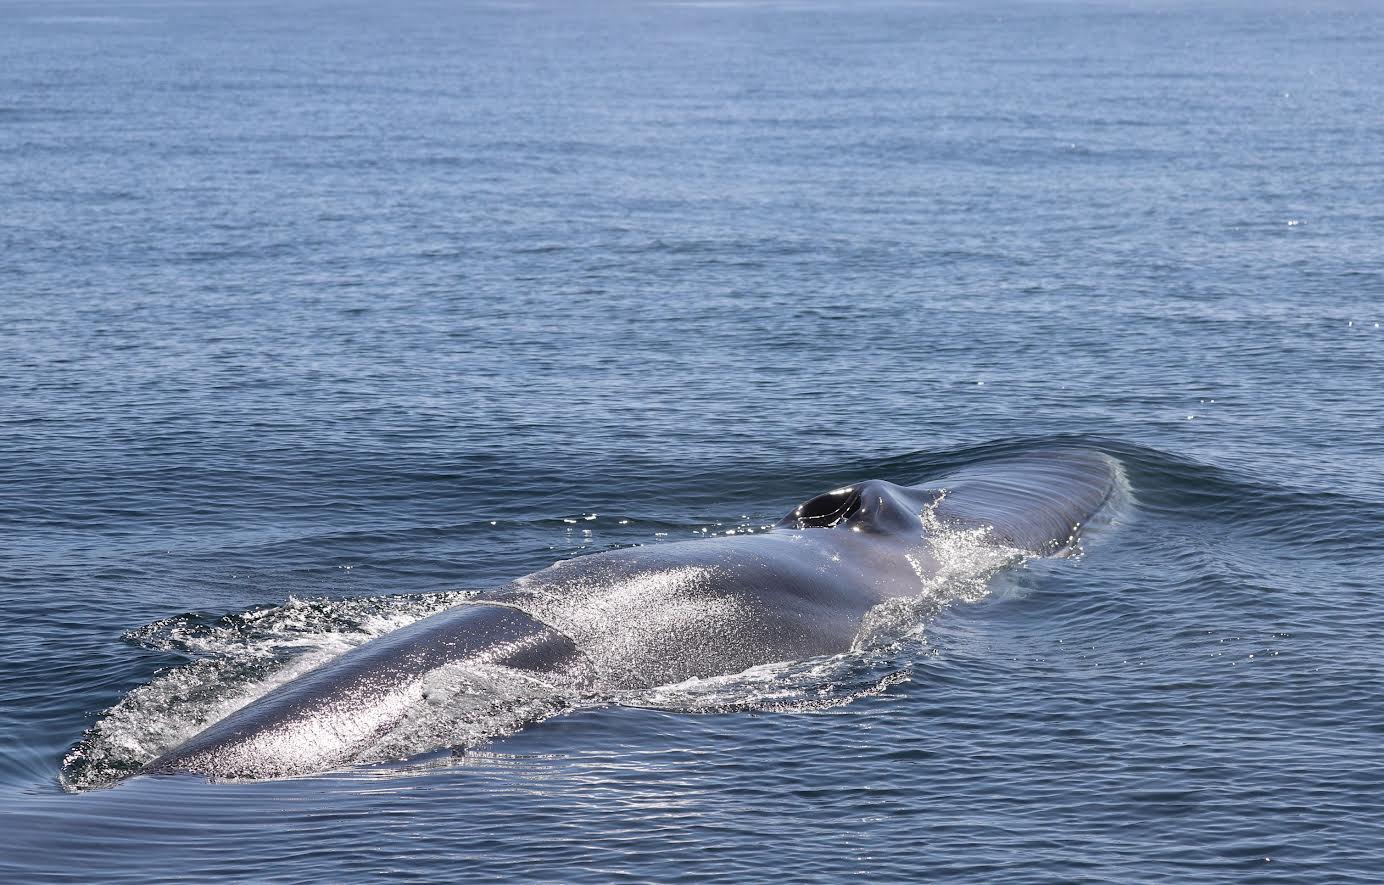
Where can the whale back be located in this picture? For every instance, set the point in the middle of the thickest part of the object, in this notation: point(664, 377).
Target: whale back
point(660, 614)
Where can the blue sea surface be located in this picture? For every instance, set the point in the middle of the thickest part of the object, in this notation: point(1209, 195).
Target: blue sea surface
point(314, 316)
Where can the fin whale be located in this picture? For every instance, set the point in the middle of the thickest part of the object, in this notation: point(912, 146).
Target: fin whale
point(665, 613)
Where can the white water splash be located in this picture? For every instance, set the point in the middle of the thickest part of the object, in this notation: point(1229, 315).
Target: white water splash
point(790, 687)
point(961, 562)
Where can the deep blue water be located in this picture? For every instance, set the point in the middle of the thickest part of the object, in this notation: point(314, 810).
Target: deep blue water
point(311, 314)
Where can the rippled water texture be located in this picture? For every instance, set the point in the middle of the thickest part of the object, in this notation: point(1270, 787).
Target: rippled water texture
point(316, 318)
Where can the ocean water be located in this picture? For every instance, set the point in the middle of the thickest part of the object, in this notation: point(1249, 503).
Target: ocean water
point(315, 318)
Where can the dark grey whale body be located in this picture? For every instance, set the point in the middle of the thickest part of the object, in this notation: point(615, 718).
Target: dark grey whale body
point(665, 613)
